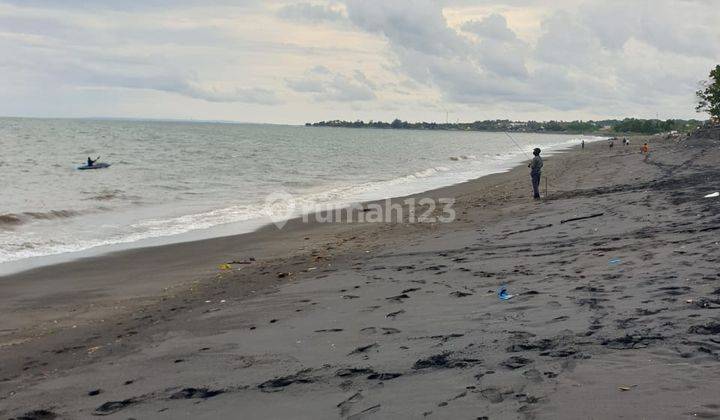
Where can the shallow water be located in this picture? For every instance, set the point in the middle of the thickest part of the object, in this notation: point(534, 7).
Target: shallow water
point(170, 178)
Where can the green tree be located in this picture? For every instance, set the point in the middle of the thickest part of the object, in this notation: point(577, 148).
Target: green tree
point(709, 95)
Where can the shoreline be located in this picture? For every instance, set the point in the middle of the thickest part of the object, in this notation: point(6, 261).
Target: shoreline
point(221, 249)
point(120, 275)
point(355, 314)
point(14, 267)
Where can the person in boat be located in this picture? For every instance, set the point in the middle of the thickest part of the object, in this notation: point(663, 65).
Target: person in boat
point(91, 162)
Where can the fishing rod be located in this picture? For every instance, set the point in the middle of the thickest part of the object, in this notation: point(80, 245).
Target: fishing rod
point(517, 145)
point(527, 156)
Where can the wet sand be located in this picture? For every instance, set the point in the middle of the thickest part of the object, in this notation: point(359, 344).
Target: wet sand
point(612, 316)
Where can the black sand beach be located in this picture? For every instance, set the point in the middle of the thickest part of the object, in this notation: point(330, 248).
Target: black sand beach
point(613, 316)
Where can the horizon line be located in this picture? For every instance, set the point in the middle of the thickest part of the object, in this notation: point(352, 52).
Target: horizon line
point(222, 121)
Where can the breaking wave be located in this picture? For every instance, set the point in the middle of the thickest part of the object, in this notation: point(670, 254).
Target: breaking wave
point(16, 219)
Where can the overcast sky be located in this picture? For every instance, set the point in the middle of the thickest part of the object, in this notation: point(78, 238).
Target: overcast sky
point(291, 62)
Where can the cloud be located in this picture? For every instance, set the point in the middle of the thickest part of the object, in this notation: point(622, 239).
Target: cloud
point(326, 85)
point(222, 94)
point(131, 6)
point(83, 50)
point(490, 58)
point(310, 13)
point(555, 44)
point(90, 68)
point(413, 25)
point(433, 53)
point(683, 27)
point(500, 50)
point(171, 83)
point(580, 58)
point(493, 26)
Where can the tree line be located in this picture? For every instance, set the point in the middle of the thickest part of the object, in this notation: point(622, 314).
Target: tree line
point(627, 125)
point(708, 102)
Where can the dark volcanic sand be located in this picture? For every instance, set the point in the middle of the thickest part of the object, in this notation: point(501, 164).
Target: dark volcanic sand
point(397, 320)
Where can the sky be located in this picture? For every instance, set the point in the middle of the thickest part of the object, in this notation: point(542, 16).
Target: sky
point(286, 62)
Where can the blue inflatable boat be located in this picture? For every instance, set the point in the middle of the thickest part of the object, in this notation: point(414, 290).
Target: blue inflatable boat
point(99, 165)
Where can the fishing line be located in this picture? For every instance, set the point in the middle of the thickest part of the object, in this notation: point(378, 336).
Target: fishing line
point(517, 145)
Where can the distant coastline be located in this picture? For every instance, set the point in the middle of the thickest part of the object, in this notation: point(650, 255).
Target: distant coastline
point(602, 127)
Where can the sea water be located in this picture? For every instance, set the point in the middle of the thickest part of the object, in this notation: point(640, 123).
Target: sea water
point(174, 181)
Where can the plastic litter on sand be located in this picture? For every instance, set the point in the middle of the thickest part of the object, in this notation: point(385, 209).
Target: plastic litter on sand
point(503, 293)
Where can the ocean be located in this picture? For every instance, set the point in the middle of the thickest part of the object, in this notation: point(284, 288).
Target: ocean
point(176, 181)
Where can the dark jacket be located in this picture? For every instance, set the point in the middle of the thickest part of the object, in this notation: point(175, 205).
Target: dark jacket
point(536, 165)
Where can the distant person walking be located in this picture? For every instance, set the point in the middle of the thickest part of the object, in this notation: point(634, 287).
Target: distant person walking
point(612, 142)
point(645, 150)
point(582, 144)
point(535, 169)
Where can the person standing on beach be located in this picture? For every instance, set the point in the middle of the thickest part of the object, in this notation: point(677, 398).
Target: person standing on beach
point(645, 150)
point(535, 169)
point(582, 144)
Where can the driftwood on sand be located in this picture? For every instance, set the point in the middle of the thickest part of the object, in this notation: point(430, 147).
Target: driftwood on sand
point(581, 218)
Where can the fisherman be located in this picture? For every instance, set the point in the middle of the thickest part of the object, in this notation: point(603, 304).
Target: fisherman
point(535, 168)
point(91, 162)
